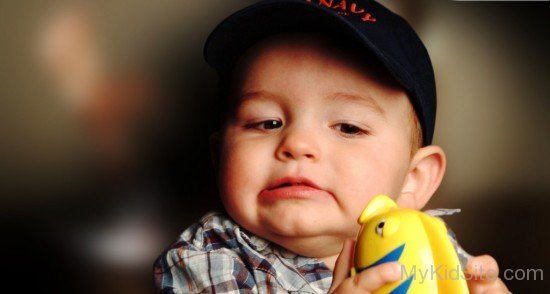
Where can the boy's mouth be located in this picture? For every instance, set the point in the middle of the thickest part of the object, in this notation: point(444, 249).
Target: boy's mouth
point(292, 181)
point(294, 188)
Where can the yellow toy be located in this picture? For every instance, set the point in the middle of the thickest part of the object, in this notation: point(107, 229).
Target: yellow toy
point(418, 241)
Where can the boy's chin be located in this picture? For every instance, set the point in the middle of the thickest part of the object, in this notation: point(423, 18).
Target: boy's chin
point(300, 223)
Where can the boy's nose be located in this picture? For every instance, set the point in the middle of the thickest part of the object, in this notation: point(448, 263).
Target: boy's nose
point(298, 144)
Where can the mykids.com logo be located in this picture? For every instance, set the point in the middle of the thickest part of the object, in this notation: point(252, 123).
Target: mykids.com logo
point(456, 273)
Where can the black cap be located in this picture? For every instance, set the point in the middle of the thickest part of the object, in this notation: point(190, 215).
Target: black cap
point(382, 33)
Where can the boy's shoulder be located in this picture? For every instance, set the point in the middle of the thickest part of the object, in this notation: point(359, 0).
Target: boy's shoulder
point(216, 253)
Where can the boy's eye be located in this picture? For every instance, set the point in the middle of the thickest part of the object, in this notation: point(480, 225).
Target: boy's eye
point(265, 125)
point(349, 129)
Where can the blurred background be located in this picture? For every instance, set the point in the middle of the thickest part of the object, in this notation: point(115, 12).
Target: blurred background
point(106, 108)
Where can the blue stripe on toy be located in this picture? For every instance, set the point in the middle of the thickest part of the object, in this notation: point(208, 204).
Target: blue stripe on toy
point(392, 256)
point(404, 287)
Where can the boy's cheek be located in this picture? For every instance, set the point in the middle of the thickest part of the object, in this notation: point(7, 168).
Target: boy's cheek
point(242, 170)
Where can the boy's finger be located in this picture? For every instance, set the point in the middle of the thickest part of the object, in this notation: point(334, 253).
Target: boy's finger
point(495, 287)
point(483, 272)
point(373, 278)
point(343, 264)
point(482, 267)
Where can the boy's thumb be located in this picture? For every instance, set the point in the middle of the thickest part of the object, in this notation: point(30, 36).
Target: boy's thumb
point(482, 267)
point(343, 264)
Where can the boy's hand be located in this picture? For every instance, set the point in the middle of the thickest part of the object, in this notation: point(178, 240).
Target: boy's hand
point(482, 274)
point(366, 281)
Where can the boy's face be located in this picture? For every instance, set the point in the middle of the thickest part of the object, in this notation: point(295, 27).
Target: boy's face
point(305, 111)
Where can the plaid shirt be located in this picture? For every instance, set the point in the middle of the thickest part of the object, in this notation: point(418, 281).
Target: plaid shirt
point(215, 255)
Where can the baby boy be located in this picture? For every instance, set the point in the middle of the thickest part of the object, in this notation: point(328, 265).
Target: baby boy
point(325, 104)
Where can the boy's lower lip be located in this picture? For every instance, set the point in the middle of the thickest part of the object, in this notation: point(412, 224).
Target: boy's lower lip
point(293, 192)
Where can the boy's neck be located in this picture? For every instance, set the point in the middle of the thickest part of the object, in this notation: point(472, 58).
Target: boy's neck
point(325, 249)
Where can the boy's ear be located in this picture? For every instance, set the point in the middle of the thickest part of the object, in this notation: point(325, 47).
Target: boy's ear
point(215, 148)
point(425, 174)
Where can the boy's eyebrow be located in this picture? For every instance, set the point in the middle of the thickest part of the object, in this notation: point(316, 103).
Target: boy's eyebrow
point(338, 96)
point(363, 99)
point(256, 94)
